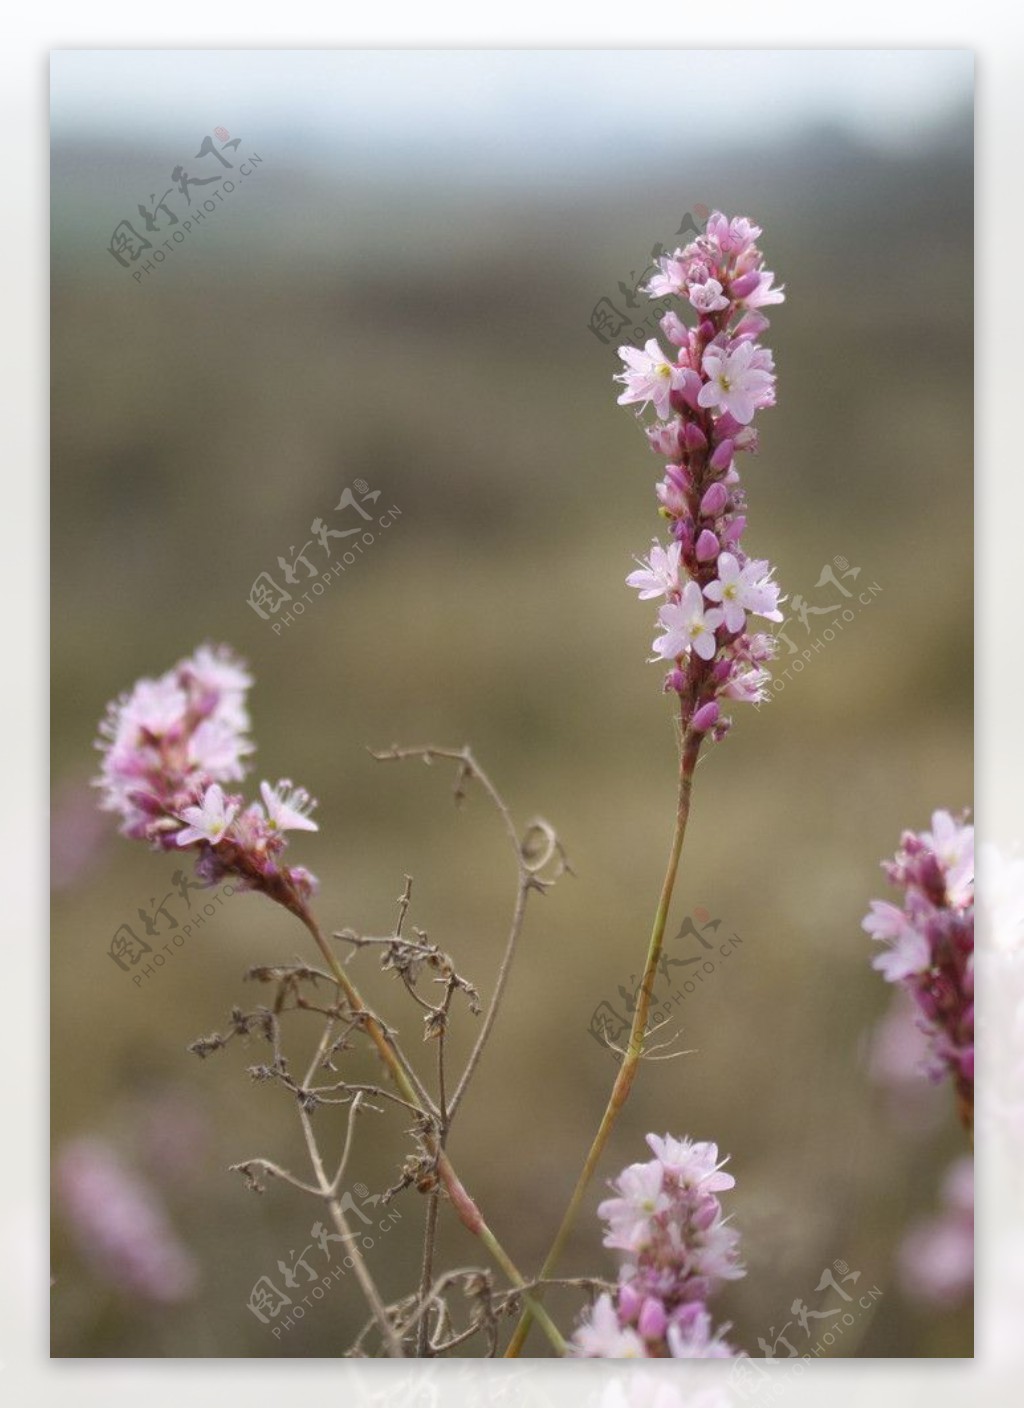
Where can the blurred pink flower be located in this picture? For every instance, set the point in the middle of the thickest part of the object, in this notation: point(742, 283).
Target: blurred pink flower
point(936, 1258)
point(120, 1226)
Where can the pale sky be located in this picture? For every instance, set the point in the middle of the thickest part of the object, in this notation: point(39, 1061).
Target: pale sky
point(558, 107)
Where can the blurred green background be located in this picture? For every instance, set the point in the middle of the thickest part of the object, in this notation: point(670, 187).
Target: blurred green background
point(416, 317)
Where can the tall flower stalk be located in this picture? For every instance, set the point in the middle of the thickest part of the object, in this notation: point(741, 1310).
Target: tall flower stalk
point(705, 396)
point(169, 750)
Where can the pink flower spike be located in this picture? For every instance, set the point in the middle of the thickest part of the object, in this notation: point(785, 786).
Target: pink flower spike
point(288, 807)
point(210, 820)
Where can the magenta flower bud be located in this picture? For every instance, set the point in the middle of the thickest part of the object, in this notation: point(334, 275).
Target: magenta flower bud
point(714, 501)
point(678, 477)
point(689, 388)
point(707, 546)
point(705, 717)
point(733, 531)
point(693, 437)
point(705, 1213)
point(722, 456)
point(630, 1303)
point(746, 283)
point(652, 1321)
point(675, 681)
point(721, 671)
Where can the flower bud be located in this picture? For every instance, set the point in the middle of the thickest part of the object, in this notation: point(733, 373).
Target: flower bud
point(675, 329)
point(705, 717)
point(652, 1321)
point(722, 456)
point(746, 283)
point(707, 546)
point(630, 1302)
point(714, 501)
point(690, 389)
point(693, 438)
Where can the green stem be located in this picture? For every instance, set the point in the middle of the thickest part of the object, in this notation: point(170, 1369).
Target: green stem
point(689, 749)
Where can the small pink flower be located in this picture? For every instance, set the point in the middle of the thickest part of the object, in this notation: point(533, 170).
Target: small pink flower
point(908, 955)
point(671, 279)
point(658, 574)
point(640, 1198)
point(741, 589)
point(687, 627)
point(288, 807)
point(735, 383)
point(210, 820)
point(954, 848)
point(600, 1336)
point(885, 921)
point(694, 1163)
point(707, 297)
point(762, 294)
point(650, 377)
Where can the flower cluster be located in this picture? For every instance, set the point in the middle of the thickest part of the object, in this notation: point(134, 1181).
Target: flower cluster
point(705, 399)
point(168, 749)
point(667, 1223)
point(930, 942)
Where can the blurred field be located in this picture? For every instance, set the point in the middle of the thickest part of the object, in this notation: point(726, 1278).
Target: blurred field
point(432, 340)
